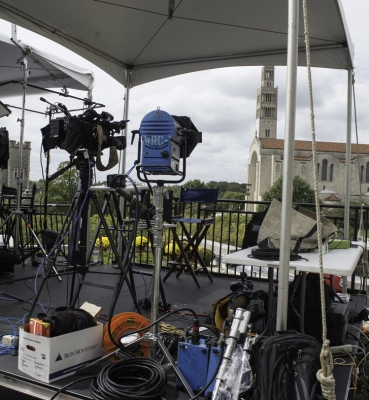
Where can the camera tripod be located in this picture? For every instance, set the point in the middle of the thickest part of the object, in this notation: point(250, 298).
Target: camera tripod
point(76, 221)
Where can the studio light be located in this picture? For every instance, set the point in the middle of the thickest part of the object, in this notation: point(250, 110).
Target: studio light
point(4, 110)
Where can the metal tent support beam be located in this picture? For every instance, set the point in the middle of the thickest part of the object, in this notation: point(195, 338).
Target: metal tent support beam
point(289, 141)
point(346, 218)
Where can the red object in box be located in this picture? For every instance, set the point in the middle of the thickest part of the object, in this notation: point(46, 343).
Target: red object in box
point(39, 327)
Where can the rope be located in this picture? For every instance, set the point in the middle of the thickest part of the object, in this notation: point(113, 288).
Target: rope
point(324, 375)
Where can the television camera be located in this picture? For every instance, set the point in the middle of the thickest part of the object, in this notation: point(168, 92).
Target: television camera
point(88, 130)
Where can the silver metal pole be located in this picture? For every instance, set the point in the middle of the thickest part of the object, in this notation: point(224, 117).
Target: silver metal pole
point(21, 139)
point(125, 117)
point(158, 250)
point(124, 152)
point(346, 217)
point(289, 141)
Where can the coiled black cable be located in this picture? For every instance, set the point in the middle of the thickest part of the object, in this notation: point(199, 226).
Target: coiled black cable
point(272, 255)
point(130, 379)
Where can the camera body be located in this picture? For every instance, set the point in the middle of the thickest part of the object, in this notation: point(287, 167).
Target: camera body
point(71, 133)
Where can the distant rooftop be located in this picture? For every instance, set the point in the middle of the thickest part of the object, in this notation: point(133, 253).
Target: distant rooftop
point(329, 147)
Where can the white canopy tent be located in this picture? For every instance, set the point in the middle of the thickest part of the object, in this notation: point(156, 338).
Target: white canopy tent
point(16, 79)
point(138, 41)
point(140, 37)
point(47, 71)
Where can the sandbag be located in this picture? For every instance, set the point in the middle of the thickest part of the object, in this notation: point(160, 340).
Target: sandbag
point(304, 235)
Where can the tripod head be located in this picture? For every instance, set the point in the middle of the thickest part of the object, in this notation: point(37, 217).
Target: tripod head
point(84, 162)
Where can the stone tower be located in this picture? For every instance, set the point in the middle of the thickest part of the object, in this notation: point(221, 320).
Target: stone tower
point(266, 105)
point(9, 176)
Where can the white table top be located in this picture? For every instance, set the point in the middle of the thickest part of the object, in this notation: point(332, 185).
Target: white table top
point(336, 262)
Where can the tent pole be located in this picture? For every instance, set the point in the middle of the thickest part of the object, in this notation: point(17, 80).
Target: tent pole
point(346, 218)
point(19, 177)
point(289, 141)
point(124, 152)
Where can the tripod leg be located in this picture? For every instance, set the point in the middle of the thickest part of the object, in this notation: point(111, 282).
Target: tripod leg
point(39, 243)
point(51, 260)
point(124, 268)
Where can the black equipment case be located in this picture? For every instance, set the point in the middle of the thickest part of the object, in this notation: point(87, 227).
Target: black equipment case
point(338, 315)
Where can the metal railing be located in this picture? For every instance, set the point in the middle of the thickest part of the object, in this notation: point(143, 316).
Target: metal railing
point(225, 235)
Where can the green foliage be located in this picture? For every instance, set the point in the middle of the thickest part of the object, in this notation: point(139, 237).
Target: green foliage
point(229, 195)
point(196, 184)
point(302, 192)
point(227, 187)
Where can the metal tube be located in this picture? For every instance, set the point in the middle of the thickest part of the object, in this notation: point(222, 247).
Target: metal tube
point(289, 141)
point(346, 217)
point(239, 325)
point(124, 152)
point(19, 177)
point(158, 249)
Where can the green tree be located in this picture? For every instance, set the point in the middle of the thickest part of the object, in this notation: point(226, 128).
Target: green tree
point(229, 195)
point(302, 191)
point(196, 184)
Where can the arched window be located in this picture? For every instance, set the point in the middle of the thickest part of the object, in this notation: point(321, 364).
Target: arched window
point(362, 174)
point(367, 173)
point(331, 173)
point(15, 172)
point(324, 170)
point(267, 132)
point(318, 170)
point(303, 170)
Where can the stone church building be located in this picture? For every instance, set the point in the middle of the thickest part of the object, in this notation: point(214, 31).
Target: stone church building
point(266, 154)
point(8, 176)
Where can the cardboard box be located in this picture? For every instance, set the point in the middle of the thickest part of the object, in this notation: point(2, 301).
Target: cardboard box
point(49, 359)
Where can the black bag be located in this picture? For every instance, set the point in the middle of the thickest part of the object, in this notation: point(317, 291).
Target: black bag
point(252, 229)
point(286, 364)
point(65, 320)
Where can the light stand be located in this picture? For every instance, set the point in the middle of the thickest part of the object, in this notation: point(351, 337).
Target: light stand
point(163, 140)
point(19, 177)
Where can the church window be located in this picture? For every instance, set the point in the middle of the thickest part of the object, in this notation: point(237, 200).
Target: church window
point(367, 173)
point(303, 170)
point(277, 169)
point(362, 174)
point(318, 170)
point(267, 133)
point(15, 172)
point(267, 74)
point(22, 173)
point(324, 170)
point(331, 173)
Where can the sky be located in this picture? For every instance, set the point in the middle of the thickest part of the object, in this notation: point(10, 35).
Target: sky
point(221, 103)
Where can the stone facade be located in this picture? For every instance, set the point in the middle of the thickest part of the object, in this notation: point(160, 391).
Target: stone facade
point(8, 176)
point(266, 166)
point(266, 154)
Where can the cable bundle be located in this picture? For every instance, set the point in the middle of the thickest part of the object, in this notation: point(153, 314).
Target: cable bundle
point(131, 379)
point(272, 255)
